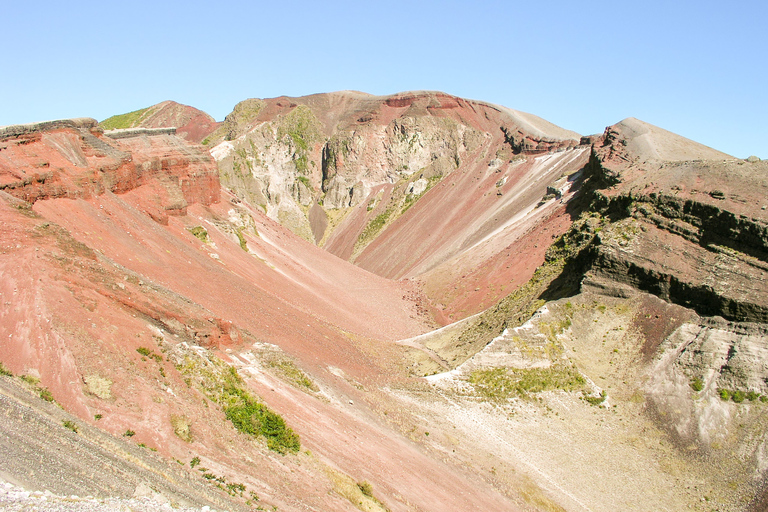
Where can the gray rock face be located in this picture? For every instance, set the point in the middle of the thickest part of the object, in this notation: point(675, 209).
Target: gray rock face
point(704, 384)
point(24, 129)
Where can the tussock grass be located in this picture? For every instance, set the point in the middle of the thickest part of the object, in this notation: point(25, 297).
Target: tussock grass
point(504, 383)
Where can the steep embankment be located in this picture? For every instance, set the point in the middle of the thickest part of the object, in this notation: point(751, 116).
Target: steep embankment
point(130, 282)
point(419, 185)
point(652, 358)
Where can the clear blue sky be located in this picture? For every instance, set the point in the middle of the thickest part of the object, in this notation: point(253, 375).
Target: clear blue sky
point(697, 68)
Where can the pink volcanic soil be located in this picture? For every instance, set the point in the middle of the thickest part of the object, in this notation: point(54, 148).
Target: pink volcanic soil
point(87, 278)
point(468, 242)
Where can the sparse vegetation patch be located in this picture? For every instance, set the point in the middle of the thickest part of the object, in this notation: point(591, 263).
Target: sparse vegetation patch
point(182, 427)
point(505, 383)
point(200, 233)
point(287, 369)
point(256, 419)
point(123, 121)
point(222, 385)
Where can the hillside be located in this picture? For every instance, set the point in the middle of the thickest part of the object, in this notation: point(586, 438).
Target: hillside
point(408, 302)
point(191, 124)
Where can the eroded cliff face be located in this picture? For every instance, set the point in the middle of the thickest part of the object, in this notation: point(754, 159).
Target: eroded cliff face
point(414, 185)
point(75, 159)
point(190, 123)
point(688, 225)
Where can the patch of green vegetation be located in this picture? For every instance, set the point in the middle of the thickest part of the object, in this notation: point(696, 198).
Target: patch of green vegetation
point(29, 379)
point(739, 395)
point(241, 239)
point(595, 400)
point(46, 395)
point(200, 233)
point(504, 383)
point(194, 462)
point(144, 351)
point(123, 121)
point(372, 229)
point(303, 129)
point(236, 121)
point(256, 419)
point(97, 417)
point(411, 199)
point(697, 384)
point(305, 181)
point(301, 163)
point(70, 425)
point(5, 371)
point(292, 373)
point(222, 385)
point(182, 427)
point(129, 433)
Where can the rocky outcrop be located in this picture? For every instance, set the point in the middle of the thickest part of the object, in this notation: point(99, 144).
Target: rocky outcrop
point(74, 159)
point(369, 155)
point(190, 123)
point(681, 222)
point(135, 132)
point(13, 131)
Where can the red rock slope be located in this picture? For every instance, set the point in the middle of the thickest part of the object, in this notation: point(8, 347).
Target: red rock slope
point(126, 273)
point(457, 194)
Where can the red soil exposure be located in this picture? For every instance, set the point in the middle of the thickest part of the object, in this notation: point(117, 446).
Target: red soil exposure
point(462, 238)
point(476, 214)
point(89, 277)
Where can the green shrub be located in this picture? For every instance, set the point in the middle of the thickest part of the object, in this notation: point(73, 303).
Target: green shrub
point(596, 400)
point(738, 396)
point(200, 233)
point(5, 371)
point(46, 395)
point(365, 488)
point(697, 384)
point(725, 395)
point(254, 418)
point(129, 433)
point(752, 396)
point(70, 425)
point(194, 462)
